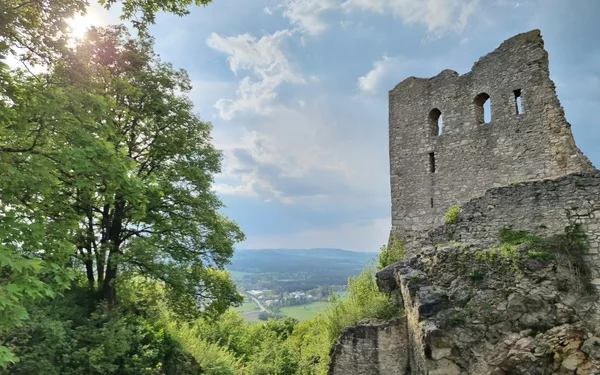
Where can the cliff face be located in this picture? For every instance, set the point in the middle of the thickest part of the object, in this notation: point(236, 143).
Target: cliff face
point(472, 311)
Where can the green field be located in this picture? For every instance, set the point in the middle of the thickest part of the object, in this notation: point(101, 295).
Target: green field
point(341, 293)
point(235, 275)
point(247, 307)
point(303, 312)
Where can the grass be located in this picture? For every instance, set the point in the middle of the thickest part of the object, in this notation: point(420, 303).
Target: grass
point(247, 307)
point(341, 293)
point(236, 275)
point(303, 312)
point(252, 317)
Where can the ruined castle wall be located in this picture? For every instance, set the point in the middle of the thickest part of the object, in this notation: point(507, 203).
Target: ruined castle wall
point(543, 207)
point(431, 171)
point(372, 348)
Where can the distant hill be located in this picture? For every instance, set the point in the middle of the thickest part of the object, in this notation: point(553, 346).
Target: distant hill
point(299, 260)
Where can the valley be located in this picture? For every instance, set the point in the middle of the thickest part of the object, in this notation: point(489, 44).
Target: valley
point(295, 283)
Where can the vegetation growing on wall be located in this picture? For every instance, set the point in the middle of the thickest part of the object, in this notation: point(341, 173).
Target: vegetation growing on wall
point(565, 249)
point(391, 253)
point(452, 215)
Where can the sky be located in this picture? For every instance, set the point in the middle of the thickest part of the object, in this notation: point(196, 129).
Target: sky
point(297, 93)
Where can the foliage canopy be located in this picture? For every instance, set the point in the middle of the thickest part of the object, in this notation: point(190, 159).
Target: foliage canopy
point(104, 167)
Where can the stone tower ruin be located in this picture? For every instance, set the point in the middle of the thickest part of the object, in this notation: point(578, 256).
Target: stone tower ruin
point(473, 301)
point(442, 150)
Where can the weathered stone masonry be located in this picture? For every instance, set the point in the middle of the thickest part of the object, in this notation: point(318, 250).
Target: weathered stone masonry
point(433, 169)
point(372, 347)
point(543, 207)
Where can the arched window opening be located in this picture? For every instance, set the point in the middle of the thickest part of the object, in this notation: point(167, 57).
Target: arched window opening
point(518, 105)
point(483, 108)
point(436, 122)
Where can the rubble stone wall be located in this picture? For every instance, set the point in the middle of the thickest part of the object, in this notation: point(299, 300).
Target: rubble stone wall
point(372, 348)
point(543, 207)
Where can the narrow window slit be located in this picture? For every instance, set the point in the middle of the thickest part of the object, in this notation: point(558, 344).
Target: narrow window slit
point(431, 202)
point(432, 162)
point(518, 105)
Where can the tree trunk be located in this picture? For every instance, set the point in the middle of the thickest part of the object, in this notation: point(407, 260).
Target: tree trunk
point(114, 239)
point(89, 267)
point(89, 259)
point(109, 292)
point(101, 251)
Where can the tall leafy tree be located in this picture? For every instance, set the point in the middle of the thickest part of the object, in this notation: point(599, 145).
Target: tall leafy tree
point(103, 165)
point(155, 214)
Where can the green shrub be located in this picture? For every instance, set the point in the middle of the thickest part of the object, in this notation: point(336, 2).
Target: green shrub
point(512, 237)
point(390, 254)
point(212, 358)
point(314, 338)
point(452, 215)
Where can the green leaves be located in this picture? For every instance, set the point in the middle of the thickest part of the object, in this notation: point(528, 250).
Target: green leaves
point(104, 168)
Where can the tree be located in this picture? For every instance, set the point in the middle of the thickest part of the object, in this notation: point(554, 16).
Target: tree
point(36, 29)
point(63, 153)
point(105, 167)
point(36, 218)
point(154, 213)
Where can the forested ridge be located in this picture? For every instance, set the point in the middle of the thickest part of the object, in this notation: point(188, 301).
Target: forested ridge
point(112, 247)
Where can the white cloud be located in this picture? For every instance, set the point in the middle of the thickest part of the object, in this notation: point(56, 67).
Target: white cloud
point(439, 16)
point(306, 14)
point(268, 11)
point(388, 71)
point(243, 190)
point(265, 59)
point(367, 236)
point(301, 155)
point(371, 81)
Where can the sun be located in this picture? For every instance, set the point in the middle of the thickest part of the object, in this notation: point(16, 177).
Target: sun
point(78, 25)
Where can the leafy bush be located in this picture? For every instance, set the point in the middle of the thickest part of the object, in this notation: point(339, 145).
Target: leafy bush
point(230, 344)
point(314, 338)
point(75, 335)
point(452, 215)
point(392, 253)
point(211, 358)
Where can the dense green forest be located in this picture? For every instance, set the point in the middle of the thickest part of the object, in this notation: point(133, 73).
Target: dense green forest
point(112, 247)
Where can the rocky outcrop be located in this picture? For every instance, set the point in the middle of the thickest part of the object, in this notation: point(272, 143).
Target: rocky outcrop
point(504, 310)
